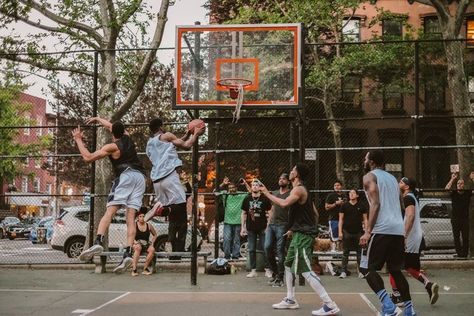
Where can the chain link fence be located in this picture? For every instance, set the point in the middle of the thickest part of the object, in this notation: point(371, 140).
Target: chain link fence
point(401, 104)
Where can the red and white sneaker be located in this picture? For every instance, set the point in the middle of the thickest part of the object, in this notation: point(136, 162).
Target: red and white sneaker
point(156, 210)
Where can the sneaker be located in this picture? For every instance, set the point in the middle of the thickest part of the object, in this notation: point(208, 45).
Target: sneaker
point(252, 274)
point(396, 299)
point(361, 275)
point(124, 264)
point(396, 312)
point(268, 273)
point(329, 268)
point(278, 283)
point(409, 312)
point(134, 272)
point(146, 272)
point(327, 309)
point(286, 303)
point(271, 281)
point(343, 275)
point(156, 210)
point(88, 254)
point(432, 289)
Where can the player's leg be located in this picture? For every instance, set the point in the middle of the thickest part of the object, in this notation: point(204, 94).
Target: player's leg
point(137, 249)
point(289, 302)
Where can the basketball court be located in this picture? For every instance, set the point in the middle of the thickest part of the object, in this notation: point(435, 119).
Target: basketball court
point(81, 292)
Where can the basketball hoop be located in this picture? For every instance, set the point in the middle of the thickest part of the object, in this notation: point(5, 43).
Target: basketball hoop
point(236, 92)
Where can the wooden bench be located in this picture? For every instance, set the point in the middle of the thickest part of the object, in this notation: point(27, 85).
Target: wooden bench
point(101, 262)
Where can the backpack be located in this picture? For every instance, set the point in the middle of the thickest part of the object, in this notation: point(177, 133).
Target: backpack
point(219, 266)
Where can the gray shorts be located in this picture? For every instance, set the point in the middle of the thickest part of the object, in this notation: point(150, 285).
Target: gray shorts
point(128, 190)
point(170, 190)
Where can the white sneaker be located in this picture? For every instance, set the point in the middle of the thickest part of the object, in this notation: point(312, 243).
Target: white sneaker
point(343, 275)
point(88, 254)
point(124, 264)
point(156, 210)
point(268, 273)
point(327, 309)
point(252, 274)
point(286, 303)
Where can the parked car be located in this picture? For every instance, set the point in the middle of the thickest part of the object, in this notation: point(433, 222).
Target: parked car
point(7, 221)
point(435, 216)
point(21, 229)
point(212, 238)
point(71, 228)
point(42, 232)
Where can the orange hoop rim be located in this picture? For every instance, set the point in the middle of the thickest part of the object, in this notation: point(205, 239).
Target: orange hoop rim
point(234, 83)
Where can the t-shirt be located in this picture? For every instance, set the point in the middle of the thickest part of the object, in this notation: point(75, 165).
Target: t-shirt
point(280, 214)
point(233, 207)
point(353, 217)
point(256, 212)
point(331, 199)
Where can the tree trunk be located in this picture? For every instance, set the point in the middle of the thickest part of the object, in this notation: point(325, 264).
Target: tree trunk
point(461, 107)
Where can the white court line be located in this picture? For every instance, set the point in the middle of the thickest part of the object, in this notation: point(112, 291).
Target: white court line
point(87, 312)
point(205, 292)
point(369, 303)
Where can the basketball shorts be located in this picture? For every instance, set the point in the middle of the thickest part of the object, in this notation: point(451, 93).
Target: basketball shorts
point(170, 190)
point(381, 249)
point(300, 252)
point(127, 190)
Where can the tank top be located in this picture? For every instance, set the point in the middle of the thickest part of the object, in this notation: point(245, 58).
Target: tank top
point(163, 156)
point(413, 241)
point(139, 235)
point(128, 157)
point(389, 220)
point(301, 217)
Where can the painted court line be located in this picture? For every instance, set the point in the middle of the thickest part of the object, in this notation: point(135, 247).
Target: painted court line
point(88, 311)
point(369, 303)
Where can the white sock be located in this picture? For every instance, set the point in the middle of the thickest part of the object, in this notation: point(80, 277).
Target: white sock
point(315, 283)
point(290, 284)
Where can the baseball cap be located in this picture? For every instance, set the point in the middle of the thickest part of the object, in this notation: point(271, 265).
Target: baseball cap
point(410, 182)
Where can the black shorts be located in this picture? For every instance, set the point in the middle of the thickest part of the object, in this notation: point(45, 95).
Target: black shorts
point(412, 260)
point(389, 249)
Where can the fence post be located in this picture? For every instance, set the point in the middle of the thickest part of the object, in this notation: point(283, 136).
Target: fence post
point(94, 146)
point(417, 111)
point(217, 197)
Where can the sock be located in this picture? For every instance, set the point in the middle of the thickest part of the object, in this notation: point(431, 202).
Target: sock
point(408, 305)
point(386, 301)
point(419, 276)
point(290, 284)
point(99, 239)
point(315, 283)
point(392, 283)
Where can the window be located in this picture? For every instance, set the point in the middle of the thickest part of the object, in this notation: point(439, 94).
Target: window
point(37, 163)
point(24, 184)
point(39, 131)
point(351, 30)
point(83, 216)
point(36, 185)
point(431, 25)
point(435, 89)
point(351, 92)
point(392, 99)
point(470, 84)
point(50, 161)
point(470, 31)
point(436, 210)
point(392, 29)
point(49, 188)
point(26, 161)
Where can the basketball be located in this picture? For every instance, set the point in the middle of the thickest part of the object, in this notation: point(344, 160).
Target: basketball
point(196, 123)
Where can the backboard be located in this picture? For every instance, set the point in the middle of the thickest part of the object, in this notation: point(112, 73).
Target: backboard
point(267, 55)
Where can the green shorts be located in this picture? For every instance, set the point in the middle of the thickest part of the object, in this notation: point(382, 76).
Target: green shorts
point(300, 253)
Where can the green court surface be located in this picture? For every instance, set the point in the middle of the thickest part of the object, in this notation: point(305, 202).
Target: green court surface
point(81, 292)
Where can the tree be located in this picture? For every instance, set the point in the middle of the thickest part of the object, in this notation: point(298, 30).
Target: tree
point(12, 113)
point(94, 25)
point(451, 18)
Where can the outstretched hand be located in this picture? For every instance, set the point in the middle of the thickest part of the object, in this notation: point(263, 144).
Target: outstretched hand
point(91, 120)
point(77, 134)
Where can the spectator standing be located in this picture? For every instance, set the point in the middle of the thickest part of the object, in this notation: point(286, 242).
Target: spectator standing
point(352, 220)
point(275, 239)
point(333, 206)
point(232, 204)
point(460, 199)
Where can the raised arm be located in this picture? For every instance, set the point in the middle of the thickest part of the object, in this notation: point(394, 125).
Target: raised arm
point(178, 142)
point(291, 199)
point(100, 121)
point(449, 185)
point(106, 150)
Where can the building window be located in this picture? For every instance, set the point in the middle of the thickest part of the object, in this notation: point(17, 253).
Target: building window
point(26, 131)
point(49, 188)
point(431, 25)
point(39, 131)
point(37, 163)
point(26, 161)
point(392, 99)
point(24, 184)
point(351, 30)
point(351, 92)
point(36, 185)
point(435, 89)
point(392, 29)
point(470, 31)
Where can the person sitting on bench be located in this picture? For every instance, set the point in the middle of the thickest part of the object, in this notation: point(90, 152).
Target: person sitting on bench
point(142, 243)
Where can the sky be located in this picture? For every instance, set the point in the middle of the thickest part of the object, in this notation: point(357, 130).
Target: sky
point(183, 12)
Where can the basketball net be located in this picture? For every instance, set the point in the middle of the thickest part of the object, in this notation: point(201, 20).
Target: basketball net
point(238, 105)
